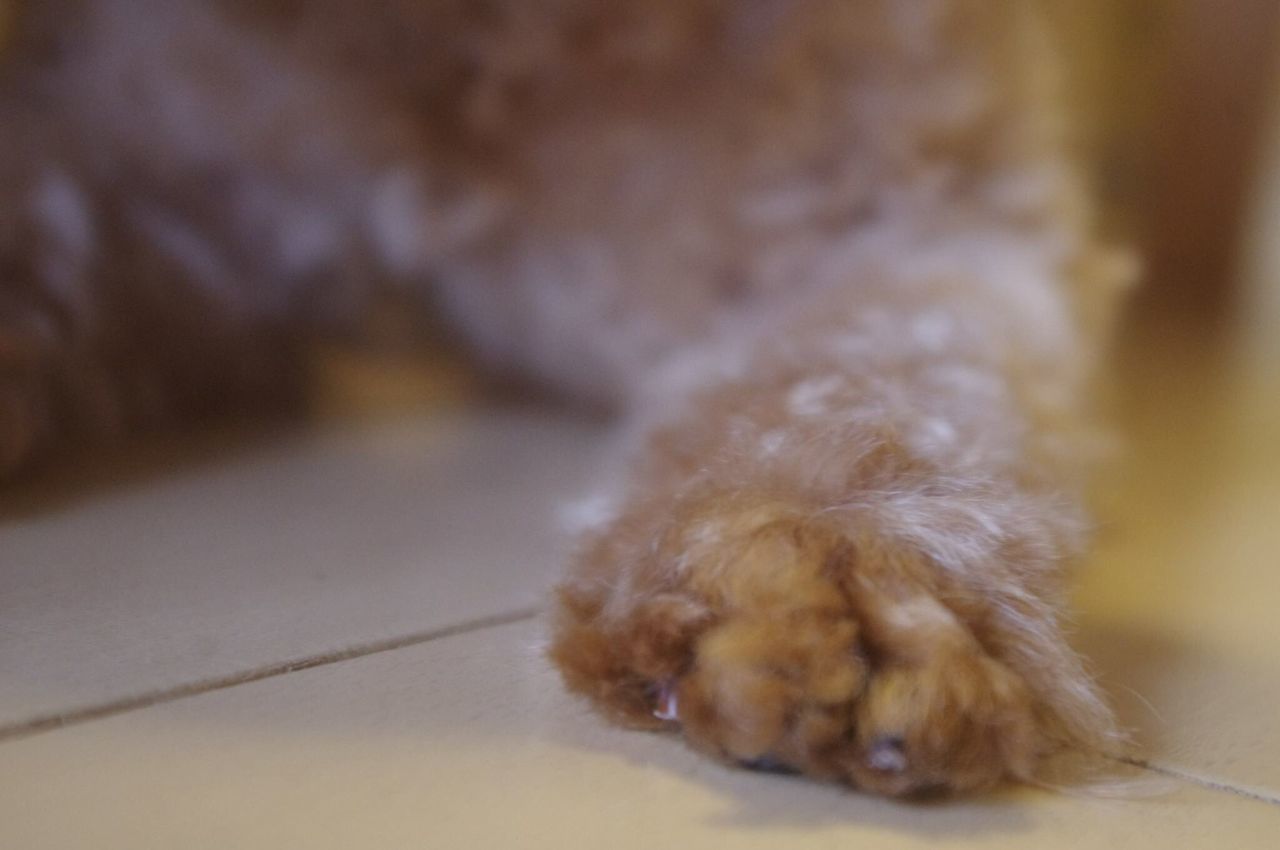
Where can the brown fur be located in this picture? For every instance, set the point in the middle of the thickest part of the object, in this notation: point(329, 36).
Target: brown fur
point(833, 263)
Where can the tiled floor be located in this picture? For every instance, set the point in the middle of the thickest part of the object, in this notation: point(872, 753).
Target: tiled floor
point(326, 640)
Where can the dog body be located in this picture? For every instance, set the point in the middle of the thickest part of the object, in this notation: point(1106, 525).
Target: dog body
point(832, 263)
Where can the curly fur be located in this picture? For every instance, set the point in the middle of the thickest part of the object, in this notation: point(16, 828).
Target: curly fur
point(833, 263)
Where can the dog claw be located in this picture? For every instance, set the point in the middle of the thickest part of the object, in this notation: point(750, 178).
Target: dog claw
point(886, 755)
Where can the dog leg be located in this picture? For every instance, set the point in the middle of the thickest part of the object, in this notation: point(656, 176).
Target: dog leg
point(842, 552)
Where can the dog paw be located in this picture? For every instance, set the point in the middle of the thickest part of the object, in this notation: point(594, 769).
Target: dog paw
point(777, 639)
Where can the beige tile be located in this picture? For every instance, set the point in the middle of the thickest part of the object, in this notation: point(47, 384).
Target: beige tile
point(296, 545)
point(276, 549)
point(469, 742)
point(1179, 604)
point(1185, 592)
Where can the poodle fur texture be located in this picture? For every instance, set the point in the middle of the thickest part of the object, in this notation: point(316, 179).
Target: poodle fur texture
point(833, 265)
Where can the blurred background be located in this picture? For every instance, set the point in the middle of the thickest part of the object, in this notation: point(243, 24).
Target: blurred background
point(1177, 106)
point(1177, 99)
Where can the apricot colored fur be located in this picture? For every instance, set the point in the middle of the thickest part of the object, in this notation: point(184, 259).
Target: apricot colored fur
point(832, 263)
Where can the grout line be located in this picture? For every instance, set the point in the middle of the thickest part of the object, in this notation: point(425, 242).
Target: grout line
point(1202, 781)
point(49, 722)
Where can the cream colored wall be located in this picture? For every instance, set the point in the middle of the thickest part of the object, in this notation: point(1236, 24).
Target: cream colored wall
point(1258, 314)
point(1170, 96)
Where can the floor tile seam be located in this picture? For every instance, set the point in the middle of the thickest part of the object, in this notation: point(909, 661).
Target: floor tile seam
point(53, 721)
point(1210, 783)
